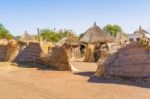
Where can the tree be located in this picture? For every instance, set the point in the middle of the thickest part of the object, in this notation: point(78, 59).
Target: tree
point(71, 36)
point(112, 29)
point(48, 34)
point(4, 33)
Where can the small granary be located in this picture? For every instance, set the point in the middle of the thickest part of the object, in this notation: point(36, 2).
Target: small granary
point(130, 61)
point(94, 36)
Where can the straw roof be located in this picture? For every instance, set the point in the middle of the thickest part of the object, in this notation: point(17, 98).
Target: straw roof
point(95, 34)
point(26, 37)
point(142, 32)
point(121, 37)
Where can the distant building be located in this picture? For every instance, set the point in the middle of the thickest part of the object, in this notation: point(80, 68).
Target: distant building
point(135, 37)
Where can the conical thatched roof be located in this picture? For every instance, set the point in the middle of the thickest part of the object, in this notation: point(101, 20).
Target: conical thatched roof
point(121, 37)
point(95, 34)
point(26, 37)
point(141, 32)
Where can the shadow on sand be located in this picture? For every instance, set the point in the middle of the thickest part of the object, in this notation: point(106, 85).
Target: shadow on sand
point(103, 80)
point(34, 65)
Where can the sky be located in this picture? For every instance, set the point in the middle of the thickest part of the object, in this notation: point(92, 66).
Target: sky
point(77, 15)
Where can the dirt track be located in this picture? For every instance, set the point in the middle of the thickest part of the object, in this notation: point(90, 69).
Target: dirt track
point(32, 83)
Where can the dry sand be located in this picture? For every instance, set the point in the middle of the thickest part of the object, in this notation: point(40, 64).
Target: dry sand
point(34, 83)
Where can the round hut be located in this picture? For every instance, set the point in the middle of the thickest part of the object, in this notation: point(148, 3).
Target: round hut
point(93, 36)
point(138, 34)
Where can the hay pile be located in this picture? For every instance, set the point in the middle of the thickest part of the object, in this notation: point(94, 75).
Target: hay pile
point(13, 48)
point(102, 62)
point(130, 61)
point(46, 48)
point(59, 58)
point(30, 53)
point(89, 55)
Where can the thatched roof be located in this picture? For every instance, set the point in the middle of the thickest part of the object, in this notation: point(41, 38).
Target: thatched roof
point(142, 32)
point(95, 34)
point(26, 37)
point(121, 37)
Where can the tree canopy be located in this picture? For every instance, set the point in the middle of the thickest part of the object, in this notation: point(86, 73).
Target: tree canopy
point(4, 33)
point(112, 29)
point(50, 35)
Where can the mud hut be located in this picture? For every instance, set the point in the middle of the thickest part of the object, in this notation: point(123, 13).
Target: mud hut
point(130, 61)
point(93, 36)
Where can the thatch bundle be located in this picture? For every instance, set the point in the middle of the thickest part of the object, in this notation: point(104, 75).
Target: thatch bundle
point(3, 42)
point(145, 41)
point(89, 55)
point(30, 53)
point(130, 61)
point(59, 58)
point(46, 48)
point(13, 48)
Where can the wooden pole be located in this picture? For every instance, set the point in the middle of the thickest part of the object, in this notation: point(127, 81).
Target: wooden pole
point(38, 31)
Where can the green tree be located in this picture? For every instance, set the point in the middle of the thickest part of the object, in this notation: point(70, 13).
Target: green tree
point(4, 33)
point(48, 34)
point(112, 29)
point(71, 36)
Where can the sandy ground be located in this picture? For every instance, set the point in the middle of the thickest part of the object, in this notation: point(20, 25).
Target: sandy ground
point(35, 83)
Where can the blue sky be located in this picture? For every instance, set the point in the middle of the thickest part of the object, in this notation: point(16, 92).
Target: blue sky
point(78, 15)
